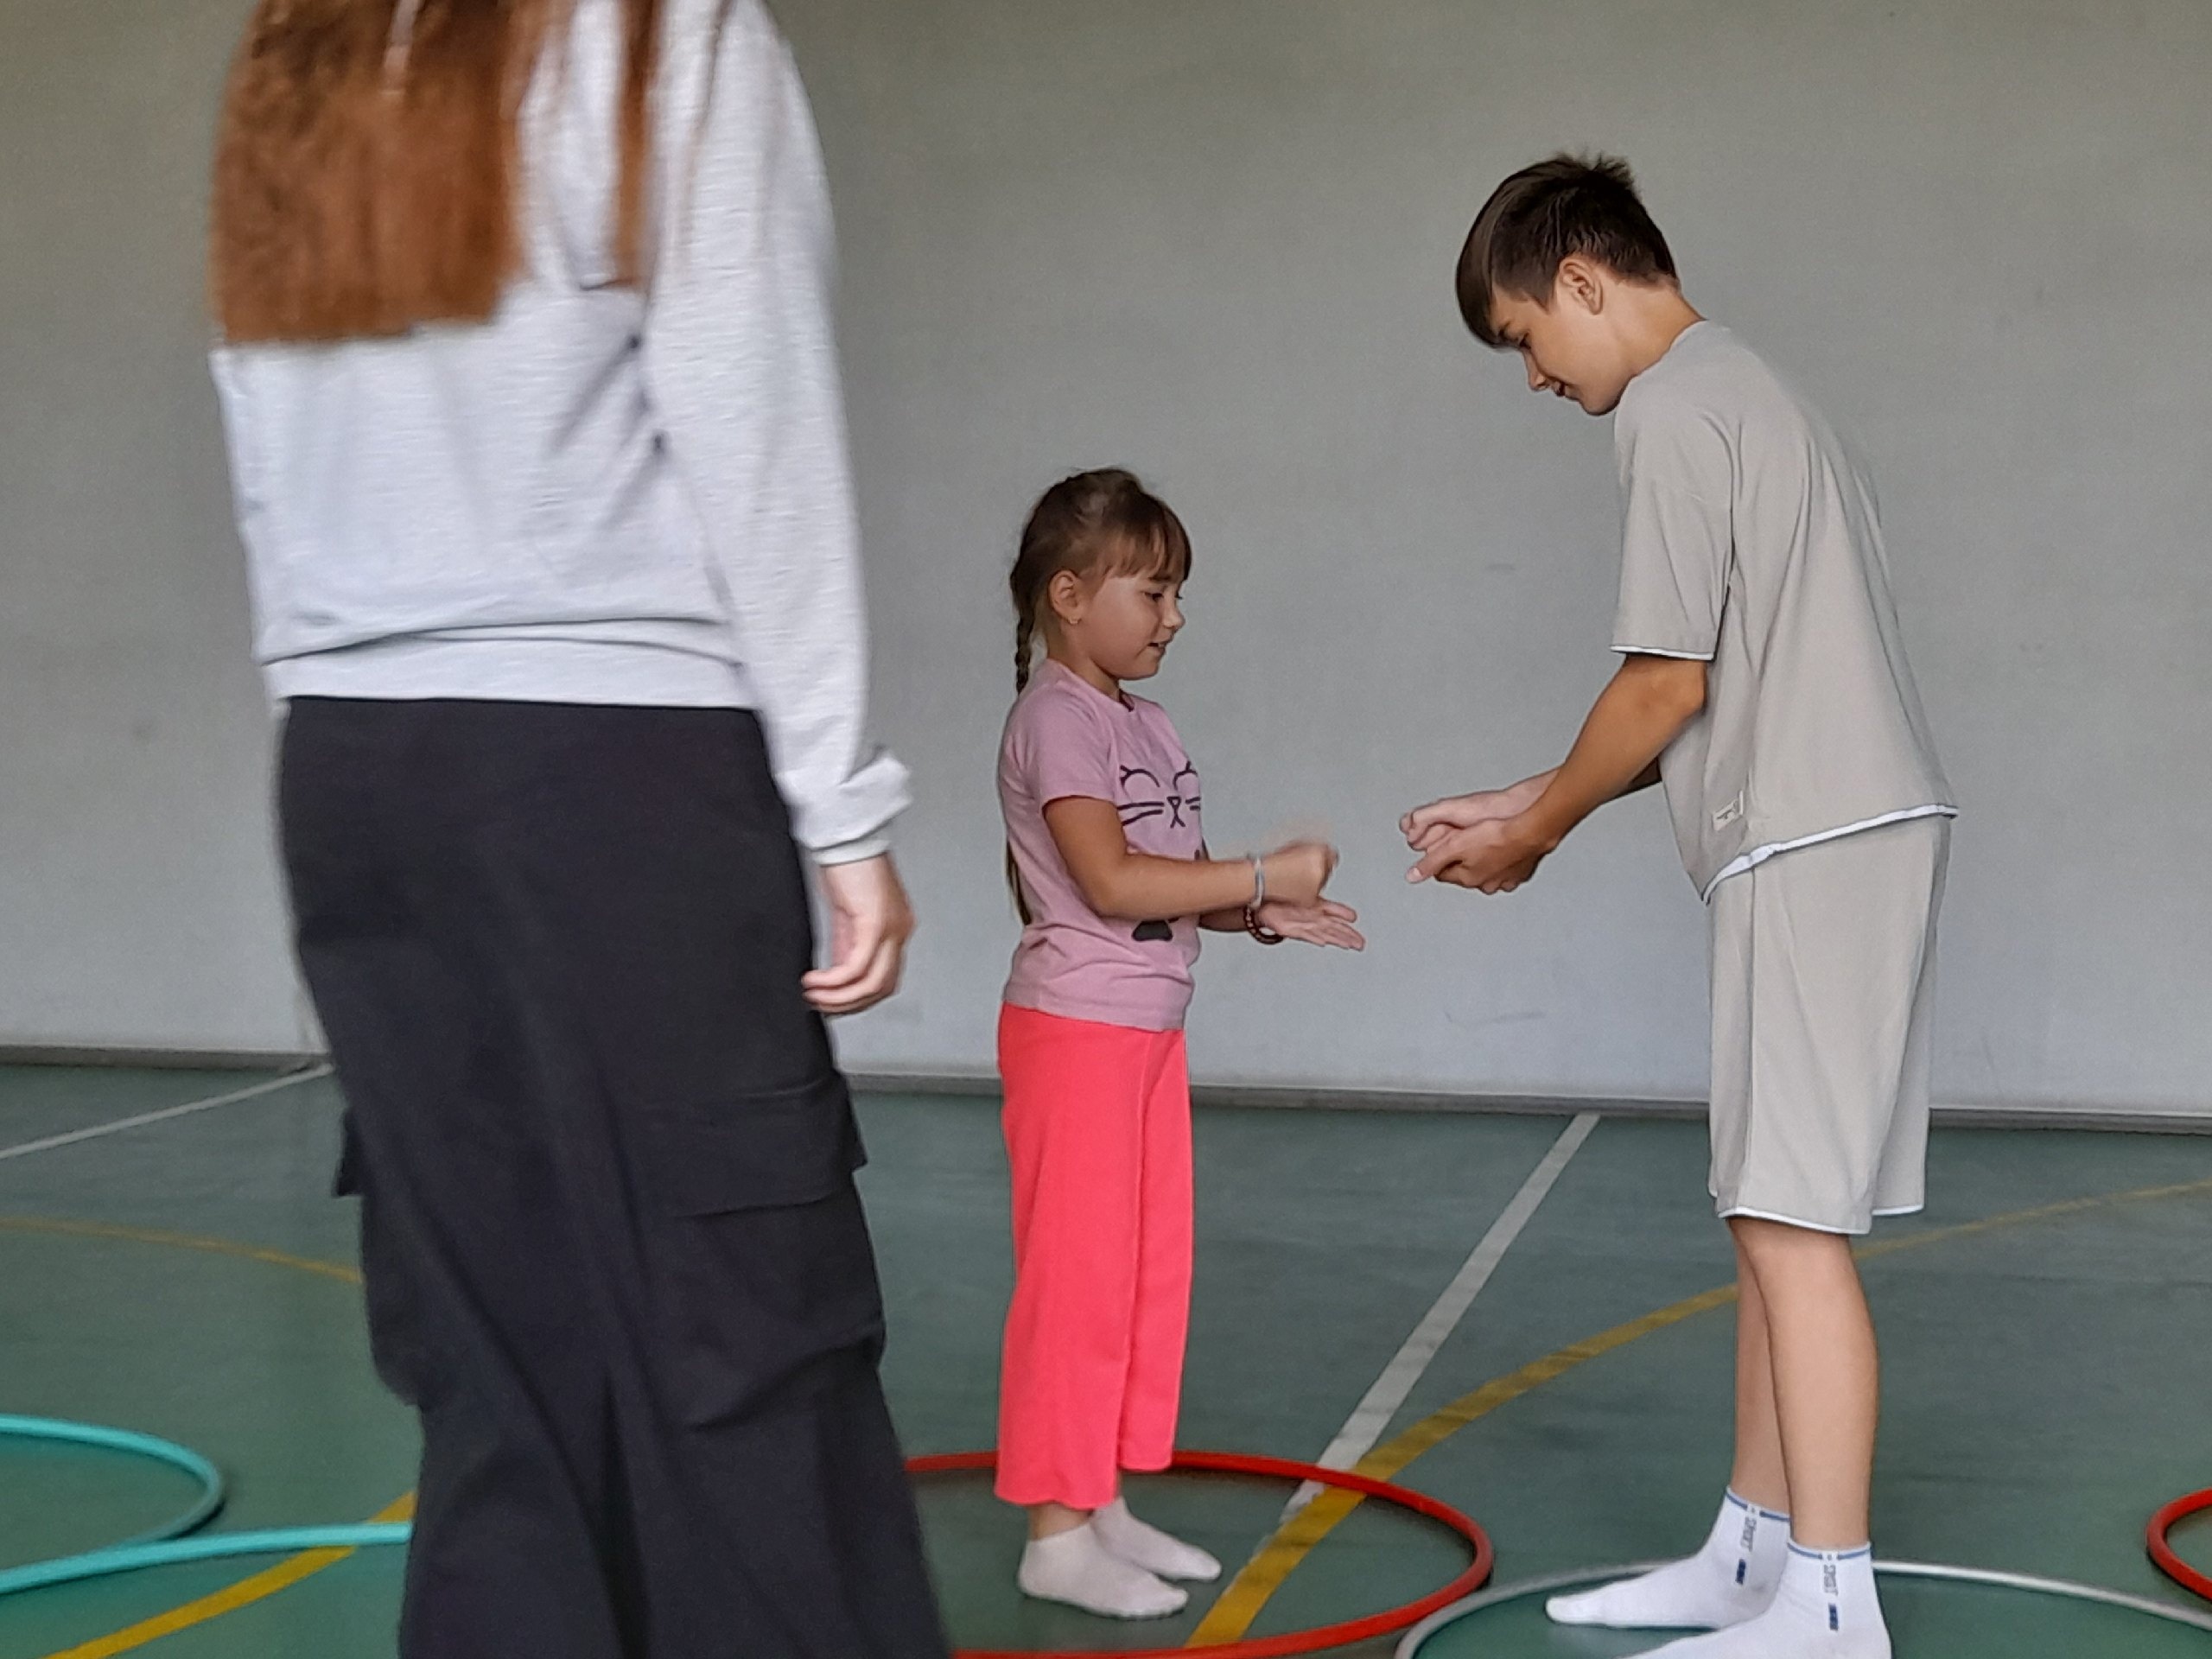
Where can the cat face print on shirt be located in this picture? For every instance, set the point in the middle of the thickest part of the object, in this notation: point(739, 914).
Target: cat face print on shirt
point(1146, 799)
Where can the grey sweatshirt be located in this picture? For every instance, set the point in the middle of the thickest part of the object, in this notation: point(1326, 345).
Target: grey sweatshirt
point(602, 495)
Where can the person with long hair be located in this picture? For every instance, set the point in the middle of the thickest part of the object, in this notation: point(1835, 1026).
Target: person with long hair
point(524, 353)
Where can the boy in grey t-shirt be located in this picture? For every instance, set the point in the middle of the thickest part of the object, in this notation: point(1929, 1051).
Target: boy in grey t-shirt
point(1764, 681)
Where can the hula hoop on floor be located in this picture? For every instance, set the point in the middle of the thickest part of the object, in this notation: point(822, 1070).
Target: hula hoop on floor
point(1416, 1638)
point(2158, 1541)
point(1295, 1642)
point(169, 1543)
point(205, 1508)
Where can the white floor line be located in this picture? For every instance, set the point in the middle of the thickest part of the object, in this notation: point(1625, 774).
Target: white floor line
point(163, 1116)
point(1365, 1426)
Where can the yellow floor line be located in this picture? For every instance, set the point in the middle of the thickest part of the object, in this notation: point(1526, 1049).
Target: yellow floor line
point(1241, 1602)
point(337, 1270)
point(244, 1593)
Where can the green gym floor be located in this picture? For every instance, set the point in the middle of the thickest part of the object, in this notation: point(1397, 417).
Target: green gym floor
point(2046, 1328)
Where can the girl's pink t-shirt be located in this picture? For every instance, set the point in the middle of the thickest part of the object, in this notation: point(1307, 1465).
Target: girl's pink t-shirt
point(1067, 738)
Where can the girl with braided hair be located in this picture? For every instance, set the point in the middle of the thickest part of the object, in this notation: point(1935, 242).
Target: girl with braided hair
point(1114, 881)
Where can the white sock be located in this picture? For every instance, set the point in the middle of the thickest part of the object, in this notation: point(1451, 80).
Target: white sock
point(1731, 1580)
point(1076, 1567)
point(1826, 1608)
point(1150, 1548)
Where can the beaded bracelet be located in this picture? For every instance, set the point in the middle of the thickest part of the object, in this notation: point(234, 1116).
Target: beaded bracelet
point(1252, 924)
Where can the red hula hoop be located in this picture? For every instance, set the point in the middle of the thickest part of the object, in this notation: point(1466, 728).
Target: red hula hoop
point(1270, 1647)
point(2162, 1552)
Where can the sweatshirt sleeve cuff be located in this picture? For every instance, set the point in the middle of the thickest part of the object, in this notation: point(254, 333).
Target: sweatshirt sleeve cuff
point(852, 852)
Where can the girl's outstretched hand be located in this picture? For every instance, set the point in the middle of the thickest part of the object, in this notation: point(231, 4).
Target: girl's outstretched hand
point(1296, 874)
point(1327, 923)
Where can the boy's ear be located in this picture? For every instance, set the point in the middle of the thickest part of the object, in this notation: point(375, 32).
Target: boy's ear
point(1580, 280)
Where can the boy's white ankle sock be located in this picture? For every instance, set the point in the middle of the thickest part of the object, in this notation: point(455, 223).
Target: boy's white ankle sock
point(1731, 1580)
point(1149, 1547)
point(1076, 1567)
point(1826, 1608)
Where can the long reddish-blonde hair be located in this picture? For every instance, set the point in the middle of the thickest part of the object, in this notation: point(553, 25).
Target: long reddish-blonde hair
point(368, 175)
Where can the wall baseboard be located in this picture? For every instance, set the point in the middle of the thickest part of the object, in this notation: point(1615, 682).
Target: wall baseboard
point(1287, 1097)
point(1271, 1097)
point(161, 1059)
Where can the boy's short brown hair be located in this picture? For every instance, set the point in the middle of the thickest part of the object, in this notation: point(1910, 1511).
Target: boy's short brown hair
point(1569, 204)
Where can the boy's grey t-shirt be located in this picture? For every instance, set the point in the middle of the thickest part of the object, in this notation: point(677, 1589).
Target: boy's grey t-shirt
point(1750, 541)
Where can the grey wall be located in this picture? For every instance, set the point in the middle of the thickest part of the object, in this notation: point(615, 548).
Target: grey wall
point(137, 901)
point(1212, 238)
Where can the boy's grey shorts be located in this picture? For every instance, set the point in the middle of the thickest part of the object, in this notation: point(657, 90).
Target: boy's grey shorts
point(1823, 987)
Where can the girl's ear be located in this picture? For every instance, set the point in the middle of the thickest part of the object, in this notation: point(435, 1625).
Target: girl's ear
point(1066, 593)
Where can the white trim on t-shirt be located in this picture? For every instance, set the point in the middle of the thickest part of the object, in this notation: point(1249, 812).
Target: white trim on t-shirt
point(1653, 650)
point(1759, 855)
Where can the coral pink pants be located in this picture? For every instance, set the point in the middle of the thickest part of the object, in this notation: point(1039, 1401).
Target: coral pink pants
point(1097, 1125)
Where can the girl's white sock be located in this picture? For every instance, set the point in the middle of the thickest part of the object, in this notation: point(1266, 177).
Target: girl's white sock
point(1731, 1580)
point(1076, 1567)
point(1826, 1608)
point(1149, 1547)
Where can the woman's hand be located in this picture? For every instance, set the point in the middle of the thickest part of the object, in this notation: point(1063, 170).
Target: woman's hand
point(870, 922)
point(1327, 923)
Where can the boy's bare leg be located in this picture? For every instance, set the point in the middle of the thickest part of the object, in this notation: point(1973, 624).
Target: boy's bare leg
point(1825, 1377)
point(1759, 1476)
point(1733, 1578)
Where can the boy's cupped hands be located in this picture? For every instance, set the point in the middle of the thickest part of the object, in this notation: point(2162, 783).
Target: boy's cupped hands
point(1482, 841)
